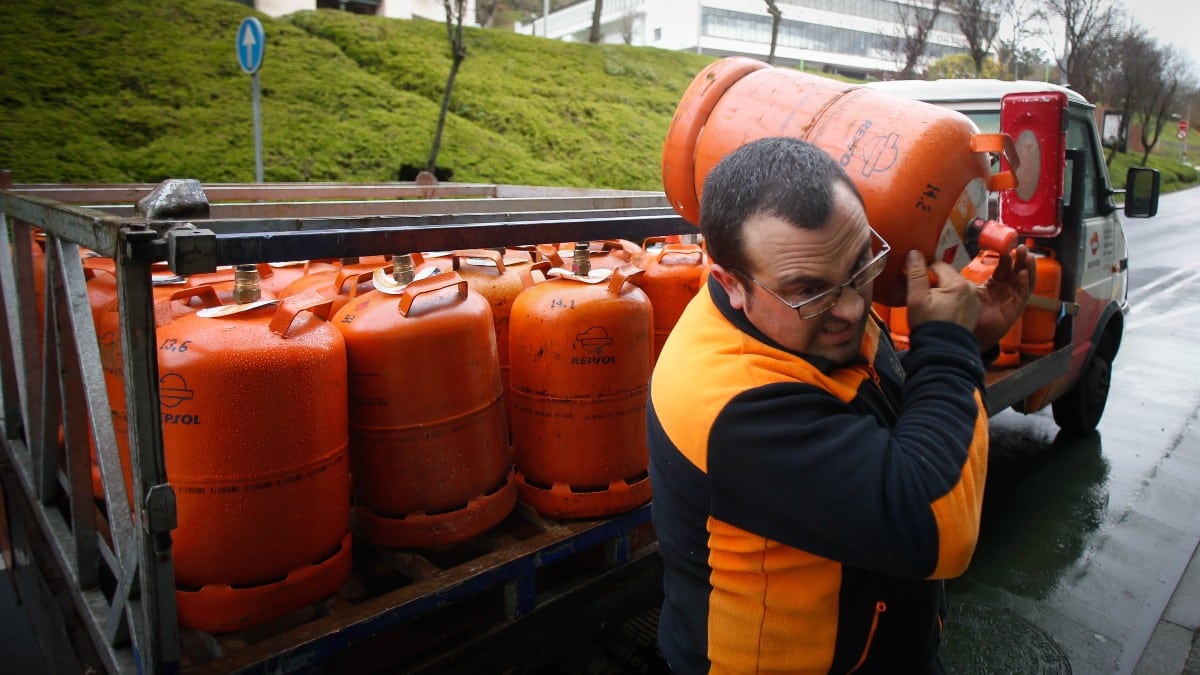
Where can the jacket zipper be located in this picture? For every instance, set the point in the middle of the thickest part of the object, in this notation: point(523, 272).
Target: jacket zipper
point(879, 388)
point(880, 608)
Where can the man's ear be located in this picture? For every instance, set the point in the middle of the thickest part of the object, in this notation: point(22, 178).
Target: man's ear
point(732, 285)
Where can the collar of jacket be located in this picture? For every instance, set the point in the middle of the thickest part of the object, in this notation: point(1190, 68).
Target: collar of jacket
point(738, 318)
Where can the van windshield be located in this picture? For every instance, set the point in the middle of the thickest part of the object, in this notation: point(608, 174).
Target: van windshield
point(987, 121)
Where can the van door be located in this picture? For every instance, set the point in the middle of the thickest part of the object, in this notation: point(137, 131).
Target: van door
point(1099, 233)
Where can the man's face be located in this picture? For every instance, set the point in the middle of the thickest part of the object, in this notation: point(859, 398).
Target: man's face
point(798, 263)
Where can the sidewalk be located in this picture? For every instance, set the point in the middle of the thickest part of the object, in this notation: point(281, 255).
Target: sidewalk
point(1174, 646)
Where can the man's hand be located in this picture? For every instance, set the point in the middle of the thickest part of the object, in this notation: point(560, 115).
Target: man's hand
point(953, 299)
point(1002, 298)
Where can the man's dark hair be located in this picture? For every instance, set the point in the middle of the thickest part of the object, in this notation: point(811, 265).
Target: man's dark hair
point(784, 177)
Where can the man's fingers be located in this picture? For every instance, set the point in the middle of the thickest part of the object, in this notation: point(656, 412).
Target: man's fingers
point(918, 276)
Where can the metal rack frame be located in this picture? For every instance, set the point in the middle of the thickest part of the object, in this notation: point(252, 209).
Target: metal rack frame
point(118, 560)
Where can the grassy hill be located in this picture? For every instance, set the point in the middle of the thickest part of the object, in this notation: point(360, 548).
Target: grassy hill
point(141, 90)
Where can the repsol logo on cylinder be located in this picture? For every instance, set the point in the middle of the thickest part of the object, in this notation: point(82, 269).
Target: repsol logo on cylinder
point(592, 360)
point(850, 147)
point(168, 418)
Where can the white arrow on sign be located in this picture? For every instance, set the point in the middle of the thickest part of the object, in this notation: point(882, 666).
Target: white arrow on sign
point(248, 43)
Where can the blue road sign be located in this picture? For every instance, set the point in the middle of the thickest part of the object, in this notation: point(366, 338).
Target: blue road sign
point(251, 43)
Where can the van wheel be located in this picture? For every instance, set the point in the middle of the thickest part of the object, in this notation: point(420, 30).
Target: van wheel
point(1078, 411)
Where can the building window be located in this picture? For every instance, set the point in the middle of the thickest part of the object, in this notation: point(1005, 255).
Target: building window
point(883, 10)
point(657, 34)
point(721, 23)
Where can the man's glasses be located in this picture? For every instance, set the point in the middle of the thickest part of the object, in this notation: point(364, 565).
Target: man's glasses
point(816, 305)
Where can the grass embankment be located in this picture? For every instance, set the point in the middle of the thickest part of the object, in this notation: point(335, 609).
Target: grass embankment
point(142, 90)
point(1165, 158)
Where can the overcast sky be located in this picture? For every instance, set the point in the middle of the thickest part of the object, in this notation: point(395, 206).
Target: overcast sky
point(1174, 22)
point(1171, 21)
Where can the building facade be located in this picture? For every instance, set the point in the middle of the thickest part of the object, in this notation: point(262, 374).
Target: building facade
point(853, 37)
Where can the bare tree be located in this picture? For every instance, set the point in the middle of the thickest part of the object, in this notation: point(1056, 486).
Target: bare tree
point(458, 52)
point(776, 17)
point(485, 12)
point(597, 10)
point(916, 21)
point(1162, 96)
point(1087, 25)
point(1027, 19)
point(1021, 63)
point(1128, 68)
point(979, 21)
point(628, 19)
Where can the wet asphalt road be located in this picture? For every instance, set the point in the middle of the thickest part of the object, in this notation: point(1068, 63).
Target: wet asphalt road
point(1084, 540)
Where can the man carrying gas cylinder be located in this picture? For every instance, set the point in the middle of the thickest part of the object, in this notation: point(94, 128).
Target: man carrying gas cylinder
point(812, 486)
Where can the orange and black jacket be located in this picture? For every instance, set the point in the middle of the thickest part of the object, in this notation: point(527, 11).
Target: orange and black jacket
point(806, 512)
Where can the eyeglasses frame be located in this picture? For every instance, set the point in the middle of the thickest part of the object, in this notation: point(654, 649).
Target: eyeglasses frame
point(876, 263)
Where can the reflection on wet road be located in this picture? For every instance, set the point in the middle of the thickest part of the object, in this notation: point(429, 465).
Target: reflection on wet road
point(1046, 498)
point(1084, 539)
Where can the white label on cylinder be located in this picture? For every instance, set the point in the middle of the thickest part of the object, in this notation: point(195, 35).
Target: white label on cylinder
point(971, 202)
point(950, 248)
point(593, 277)
point(226, 310)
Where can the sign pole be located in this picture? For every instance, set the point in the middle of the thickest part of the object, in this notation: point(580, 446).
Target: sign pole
point(1188, 120)
point(258, 149)
point(251, 45)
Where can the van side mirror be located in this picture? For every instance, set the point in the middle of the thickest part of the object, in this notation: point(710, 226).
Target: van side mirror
point(1141, 192)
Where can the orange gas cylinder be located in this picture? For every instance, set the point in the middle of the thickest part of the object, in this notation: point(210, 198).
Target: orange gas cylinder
point(898, 327)
point(1041, 324)
point(335, 284)
point(652, 246)
point(922, 170)
point(225, 281)
point(101, 276)
point(606, 253)
point(429, 447)
point(884, 312)
point(978, 271)
point(262, 481)
point(37, 248)
point(436, 262)
point(274, 278)
point(101, 281)
point(169, 301)
point(499, 279)
point(532, 253)
point(580, 350)
point(671, 279)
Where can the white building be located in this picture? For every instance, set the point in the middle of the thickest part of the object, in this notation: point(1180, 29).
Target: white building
point(395, 9)
point(854, 37)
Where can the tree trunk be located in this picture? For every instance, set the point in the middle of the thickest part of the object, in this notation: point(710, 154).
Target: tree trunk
point(441, 123)
point(458, 52)
point(776, 17)
point(597, 10)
